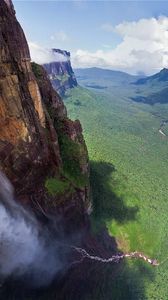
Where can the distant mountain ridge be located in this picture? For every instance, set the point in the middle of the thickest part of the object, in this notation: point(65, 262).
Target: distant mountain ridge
point(106, 73)
point(93, 76)
point(60, 72)
point(160, 76)
point(153, 89)
point(150, 89)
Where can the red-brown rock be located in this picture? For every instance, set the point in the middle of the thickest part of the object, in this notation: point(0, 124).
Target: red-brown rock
point(33, 123)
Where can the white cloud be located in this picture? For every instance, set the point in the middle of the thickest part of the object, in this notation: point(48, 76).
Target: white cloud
point(145, 29)
point(60, 36)
point(144, 47)
point(42, 56)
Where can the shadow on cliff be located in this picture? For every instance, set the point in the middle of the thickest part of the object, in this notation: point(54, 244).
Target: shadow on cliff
point(91, 280)
point(94, 280)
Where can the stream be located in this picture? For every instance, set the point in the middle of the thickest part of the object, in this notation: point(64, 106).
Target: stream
point(115, 258)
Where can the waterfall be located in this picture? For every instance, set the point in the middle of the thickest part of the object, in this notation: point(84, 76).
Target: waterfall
point(25, 249)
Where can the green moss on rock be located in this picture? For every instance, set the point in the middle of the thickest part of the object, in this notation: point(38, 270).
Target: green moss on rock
point(37, 70)
point(56, 186)
point(72, 154)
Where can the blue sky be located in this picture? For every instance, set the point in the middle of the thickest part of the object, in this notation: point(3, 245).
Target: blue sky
point(88, 28)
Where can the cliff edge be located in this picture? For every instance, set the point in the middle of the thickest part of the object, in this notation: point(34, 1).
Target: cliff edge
point(42, 152)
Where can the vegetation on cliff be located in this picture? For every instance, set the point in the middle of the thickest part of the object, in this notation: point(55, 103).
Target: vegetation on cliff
point(35, 153)
point(72, 155)
point(37, 70)
point(56, 186)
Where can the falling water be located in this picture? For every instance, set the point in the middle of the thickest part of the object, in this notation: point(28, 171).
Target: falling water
point(26, 248)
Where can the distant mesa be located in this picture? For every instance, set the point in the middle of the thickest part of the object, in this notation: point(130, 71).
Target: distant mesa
point(60, 72)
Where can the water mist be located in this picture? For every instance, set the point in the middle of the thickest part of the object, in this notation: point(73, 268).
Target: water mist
point(24, 248)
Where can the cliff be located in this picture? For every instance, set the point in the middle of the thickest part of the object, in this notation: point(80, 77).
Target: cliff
point(42, 152)
point(60, 71)
point(44, 155)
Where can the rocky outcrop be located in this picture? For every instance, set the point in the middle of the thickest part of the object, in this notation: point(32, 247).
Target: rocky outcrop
point(60, 72)
point(41, 151)
point(10, 5)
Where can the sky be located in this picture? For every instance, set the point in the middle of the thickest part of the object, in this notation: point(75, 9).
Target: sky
point(131, 36)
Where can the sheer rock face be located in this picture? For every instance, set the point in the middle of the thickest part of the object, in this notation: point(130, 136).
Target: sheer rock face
point(10, 5)
point(18, 88)
point(33, 120)
point(60, 72)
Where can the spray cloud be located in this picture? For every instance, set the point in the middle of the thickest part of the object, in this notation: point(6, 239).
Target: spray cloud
point(25, 249)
